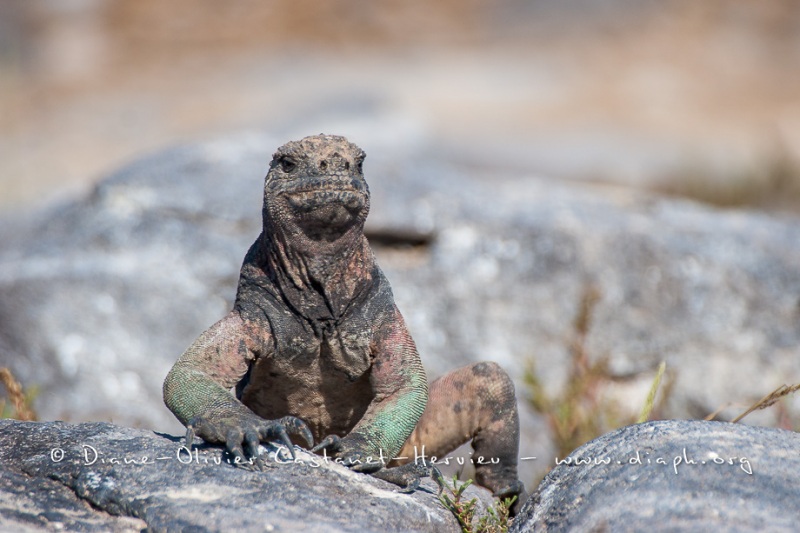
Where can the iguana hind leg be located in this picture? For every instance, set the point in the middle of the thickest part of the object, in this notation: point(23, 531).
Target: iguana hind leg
point(476, 403)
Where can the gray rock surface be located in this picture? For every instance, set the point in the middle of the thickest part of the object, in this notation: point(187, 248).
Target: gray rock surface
point(37, 503)
point(659, 476)
point(642, 478)
point(99, 297)
point(101, 477)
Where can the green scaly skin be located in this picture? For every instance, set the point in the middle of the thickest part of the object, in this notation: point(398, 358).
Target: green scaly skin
point(314, 334)
point(318, 351)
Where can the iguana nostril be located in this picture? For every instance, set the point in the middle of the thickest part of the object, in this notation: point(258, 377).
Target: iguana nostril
point(323, 165)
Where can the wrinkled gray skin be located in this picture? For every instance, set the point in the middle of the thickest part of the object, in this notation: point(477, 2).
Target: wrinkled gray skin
point(316, 348)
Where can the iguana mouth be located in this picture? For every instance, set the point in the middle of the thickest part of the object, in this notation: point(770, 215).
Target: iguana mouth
point(303, 201)
point(327, 213)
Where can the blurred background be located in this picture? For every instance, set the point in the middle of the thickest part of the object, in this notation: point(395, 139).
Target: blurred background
point(700, 99)
point(694, 99)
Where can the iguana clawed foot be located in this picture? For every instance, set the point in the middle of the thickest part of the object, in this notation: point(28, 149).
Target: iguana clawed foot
point(350, 453)
point(242, 433)
point(515, 489)
point(406, 476)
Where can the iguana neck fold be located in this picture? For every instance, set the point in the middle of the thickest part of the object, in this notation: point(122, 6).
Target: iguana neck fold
point(320, 287)
point(312, 247)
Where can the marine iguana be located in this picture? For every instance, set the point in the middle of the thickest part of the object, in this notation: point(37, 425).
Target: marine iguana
point(317, 349)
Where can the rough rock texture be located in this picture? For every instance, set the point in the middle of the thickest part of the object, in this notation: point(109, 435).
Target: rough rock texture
point(94, 477)
point(742, 479)
point(99, 297)
point(38, 503)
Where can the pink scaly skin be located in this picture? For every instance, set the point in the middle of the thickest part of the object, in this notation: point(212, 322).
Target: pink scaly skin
point(318, 351)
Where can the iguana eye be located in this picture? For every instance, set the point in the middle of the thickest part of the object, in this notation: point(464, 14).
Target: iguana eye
point(287, 163)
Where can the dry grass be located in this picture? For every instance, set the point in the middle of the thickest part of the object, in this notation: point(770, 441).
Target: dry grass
point(20, 400)
point(582, 412)
point(767, 401)
point(650, 402)
point(775, 184)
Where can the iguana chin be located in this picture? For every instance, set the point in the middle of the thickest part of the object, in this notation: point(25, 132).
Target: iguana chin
point(317, 349)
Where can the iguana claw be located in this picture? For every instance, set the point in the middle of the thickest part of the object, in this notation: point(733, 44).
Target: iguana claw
point(407, 476)
point(437, 476)
point(515, 489)
point(351, 453)
point(242, 434)
point(331, 442)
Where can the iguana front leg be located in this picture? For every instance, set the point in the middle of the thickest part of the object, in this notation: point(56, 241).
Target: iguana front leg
point(197, 389)
point(400, 390)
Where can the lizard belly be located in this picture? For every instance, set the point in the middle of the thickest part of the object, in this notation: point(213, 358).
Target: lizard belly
point(328, 401)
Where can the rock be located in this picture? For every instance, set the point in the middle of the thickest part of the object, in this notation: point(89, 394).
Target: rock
point(675, 475)
point(665, 475)
point(37, 503)
point(113, 287)
point(102, 477)
point(99, 297)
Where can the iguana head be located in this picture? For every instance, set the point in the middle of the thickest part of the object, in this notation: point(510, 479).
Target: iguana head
point(315, 193)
